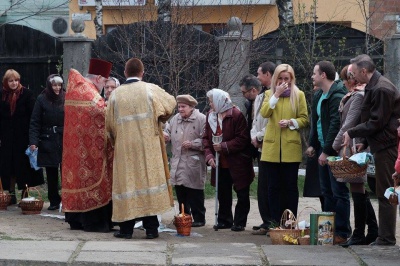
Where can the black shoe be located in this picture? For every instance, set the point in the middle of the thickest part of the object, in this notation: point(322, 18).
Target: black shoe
point(198, 224)
point(152, 236)
point(263, 225)
point(237, 228)
point(13, 199)
point(125, 236)
point(353, 241)
point(53, 207)
point(222, 226)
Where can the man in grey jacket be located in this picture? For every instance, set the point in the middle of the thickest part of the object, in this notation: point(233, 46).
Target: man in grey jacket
point(379, 113)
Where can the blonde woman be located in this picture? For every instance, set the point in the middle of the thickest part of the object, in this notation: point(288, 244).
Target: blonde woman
point(286, 108)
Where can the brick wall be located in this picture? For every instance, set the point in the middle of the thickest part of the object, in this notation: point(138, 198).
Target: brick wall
point(383, 14)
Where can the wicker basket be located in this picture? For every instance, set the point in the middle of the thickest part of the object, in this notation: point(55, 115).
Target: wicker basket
point(347, 169)
point(304, 239)
point(183, 223)
point(5, 198)
point(34, 206)
point(287, 220)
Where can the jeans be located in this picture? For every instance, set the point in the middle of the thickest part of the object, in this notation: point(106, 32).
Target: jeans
point(336, 199)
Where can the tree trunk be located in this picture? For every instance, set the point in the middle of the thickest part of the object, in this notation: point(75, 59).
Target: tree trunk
point(98, 20)
point(285, 12)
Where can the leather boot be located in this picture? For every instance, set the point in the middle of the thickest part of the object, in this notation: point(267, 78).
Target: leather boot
point(13, 198)
point(360, 217)
point(371, 222)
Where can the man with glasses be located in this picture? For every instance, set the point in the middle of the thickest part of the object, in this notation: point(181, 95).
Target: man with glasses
point(251, 88)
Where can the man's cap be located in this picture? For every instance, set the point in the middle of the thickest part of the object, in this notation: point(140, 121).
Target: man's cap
point(186, 99)
point(99, 67)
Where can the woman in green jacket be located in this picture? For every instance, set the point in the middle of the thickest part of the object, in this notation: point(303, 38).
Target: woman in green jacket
point(286, 108)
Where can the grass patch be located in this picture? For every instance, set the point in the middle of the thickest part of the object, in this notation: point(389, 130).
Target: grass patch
point(209, 191)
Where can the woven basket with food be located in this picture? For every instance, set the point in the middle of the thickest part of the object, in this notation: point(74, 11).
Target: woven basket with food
point(183, 223)
point(29, 204)
point(288, 232)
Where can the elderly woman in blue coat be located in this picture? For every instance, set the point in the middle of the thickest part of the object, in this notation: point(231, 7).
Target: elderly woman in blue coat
point(285, 106)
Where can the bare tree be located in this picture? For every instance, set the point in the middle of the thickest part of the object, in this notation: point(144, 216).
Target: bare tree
point(25, 9)
point(177, 55)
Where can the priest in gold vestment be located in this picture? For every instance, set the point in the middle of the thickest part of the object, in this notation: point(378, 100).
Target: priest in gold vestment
point(140, 188)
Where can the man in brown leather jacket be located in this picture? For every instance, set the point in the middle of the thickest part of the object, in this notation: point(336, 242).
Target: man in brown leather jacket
point(379, 113)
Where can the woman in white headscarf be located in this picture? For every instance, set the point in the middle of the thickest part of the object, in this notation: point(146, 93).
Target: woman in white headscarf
point(235, 162)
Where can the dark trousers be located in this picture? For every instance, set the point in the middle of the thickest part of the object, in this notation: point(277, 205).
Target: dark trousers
point(150, 224)
point(336, 199)
point(283, 192)
point(193, 200)
point(242, 208)
point(384, 162)
point(52, 185)
point(262, 195)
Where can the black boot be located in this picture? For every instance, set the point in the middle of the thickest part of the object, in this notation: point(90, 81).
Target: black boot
point(360, 217)
point(371, 222)
point(13, 198)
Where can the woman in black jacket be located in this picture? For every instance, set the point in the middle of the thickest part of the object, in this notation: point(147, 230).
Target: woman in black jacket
point(46, 134)
point(16, 105)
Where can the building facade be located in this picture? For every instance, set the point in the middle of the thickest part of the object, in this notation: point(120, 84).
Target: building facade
point(259, 17)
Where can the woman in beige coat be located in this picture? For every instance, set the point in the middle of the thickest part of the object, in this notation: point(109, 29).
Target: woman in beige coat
point(188, 167)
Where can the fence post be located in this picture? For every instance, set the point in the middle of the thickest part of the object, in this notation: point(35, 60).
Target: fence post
point(233, 60)
point(392, 63)
point(77, 50)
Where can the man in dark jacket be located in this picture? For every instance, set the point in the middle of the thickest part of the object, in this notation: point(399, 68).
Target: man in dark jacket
point(325, 127)
point(379, 113)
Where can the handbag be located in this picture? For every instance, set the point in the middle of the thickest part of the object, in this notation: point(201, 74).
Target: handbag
point(348, 171)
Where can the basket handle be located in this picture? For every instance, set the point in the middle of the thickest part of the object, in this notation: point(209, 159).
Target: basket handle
point(306, 208)
point(26, 192)
point(343, 150)
point(288, 215)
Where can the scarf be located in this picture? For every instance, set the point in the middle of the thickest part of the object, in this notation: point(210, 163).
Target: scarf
point(286, 93)
point(11, 96)
point(50, 94)
point(222, 103)
point(355, 89)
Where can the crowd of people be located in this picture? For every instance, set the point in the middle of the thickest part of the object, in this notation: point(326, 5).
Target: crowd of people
point(106, 141)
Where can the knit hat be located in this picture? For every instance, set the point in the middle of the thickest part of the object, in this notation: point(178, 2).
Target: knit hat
point(99, 67)
point(186, 99)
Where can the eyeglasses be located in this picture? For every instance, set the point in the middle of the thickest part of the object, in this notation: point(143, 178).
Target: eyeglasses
point(245, 92)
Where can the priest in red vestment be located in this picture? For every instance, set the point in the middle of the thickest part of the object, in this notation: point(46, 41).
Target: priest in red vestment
point(87, 156)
